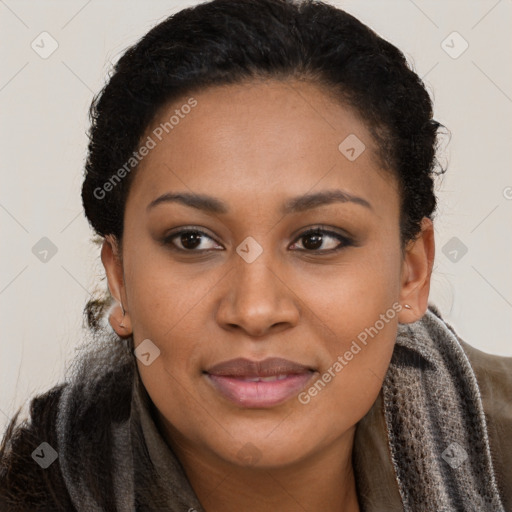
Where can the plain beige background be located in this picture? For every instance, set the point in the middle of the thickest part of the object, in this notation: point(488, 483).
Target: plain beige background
point(44, 104)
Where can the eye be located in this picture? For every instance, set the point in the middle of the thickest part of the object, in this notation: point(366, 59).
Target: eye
point(316, 238)
point(188, 240)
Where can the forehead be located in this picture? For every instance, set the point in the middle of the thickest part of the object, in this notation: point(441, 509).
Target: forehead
point(270, 138)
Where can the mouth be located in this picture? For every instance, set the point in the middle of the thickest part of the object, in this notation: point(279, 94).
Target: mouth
point(258, 384)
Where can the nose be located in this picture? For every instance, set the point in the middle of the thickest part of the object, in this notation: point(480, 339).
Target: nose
point(257, 299)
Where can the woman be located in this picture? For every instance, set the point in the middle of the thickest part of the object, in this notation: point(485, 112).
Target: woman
point(260, 174)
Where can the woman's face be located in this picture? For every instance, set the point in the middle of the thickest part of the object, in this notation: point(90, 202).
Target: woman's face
point(253, 284)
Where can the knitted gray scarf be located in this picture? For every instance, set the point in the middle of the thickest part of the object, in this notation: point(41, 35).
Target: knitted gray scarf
point(433, 412)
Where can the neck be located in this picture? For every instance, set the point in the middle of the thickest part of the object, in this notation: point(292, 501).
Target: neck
point(324, 481)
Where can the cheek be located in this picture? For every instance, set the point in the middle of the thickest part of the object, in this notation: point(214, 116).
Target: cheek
point(165, 297)
point(349, 296)
point(360, 346)
point(356, 317)
point(164, 307)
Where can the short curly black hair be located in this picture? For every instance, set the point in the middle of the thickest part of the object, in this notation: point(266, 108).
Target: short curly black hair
point(223, 42)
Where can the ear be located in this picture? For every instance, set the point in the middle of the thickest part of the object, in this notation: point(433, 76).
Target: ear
point(416, 272)
point(112, 261)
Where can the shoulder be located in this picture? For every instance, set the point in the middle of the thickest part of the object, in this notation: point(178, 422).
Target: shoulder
point(24, 483)
point(493, 372)
point(494, 377)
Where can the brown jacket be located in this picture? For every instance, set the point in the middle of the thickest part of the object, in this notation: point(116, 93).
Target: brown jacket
point(377, 478)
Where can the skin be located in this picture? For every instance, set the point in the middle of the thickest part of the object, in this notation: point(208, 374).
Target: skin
point(254, 146)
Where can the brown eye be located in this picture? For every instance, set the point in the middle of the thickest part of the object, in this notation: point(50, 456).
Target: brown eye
point(313, 241)
point(189, 240)
point(321, 240)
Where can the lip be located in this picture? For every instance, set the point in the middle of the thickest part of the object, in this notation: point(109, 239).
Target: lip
point(269, 367)
point(283, 380)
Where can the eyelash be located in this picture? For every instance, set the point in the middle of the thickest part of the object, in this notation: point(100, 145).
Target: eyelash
point(344, 240)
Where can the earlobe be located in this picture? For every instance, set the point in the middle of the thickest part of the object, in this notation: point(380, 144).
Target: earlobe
point(416, 273)
point(119, 320)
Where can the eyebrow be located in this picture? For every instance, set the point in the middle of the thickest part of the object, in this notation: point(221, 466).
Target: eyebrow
point(296, 204)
